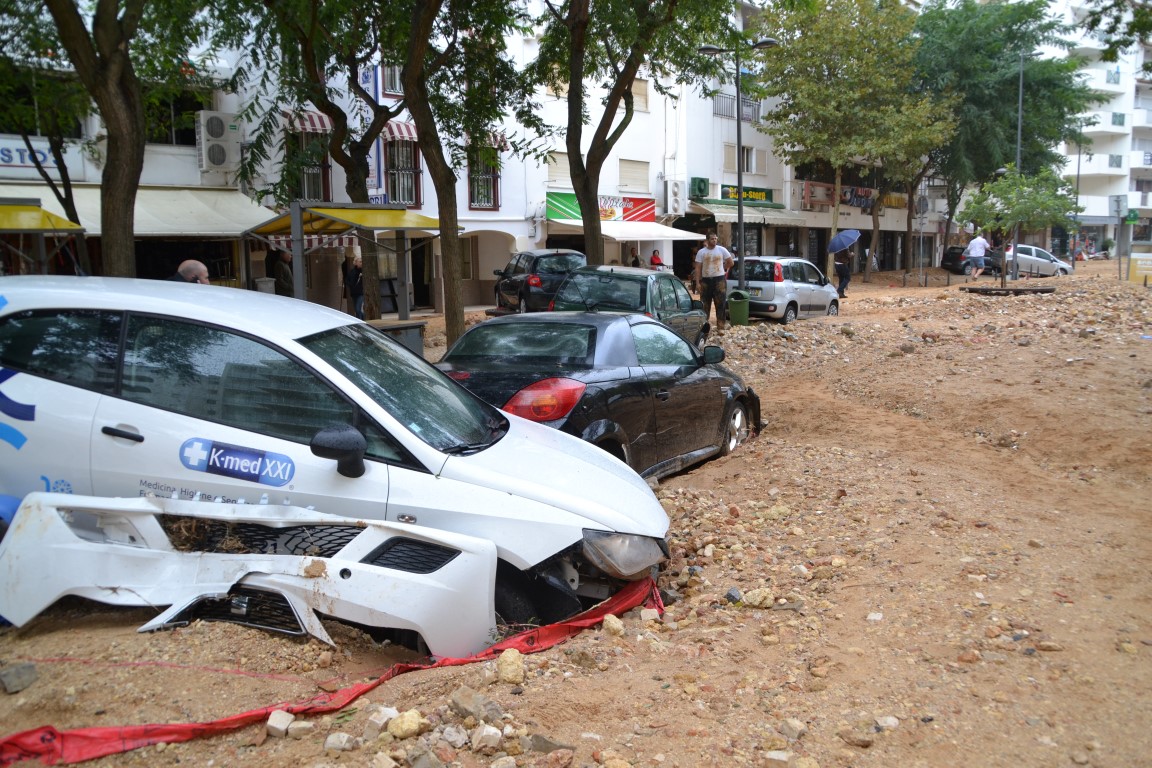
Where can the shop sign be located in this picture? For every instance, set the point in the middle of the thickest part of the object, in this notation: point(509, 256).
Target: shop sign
point(563, 205)
point(751, 194)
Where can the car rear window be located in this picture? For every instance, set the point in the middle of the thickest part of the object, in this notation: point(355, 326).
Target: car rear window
point(558, 343)
point(759, 270)
point(604, 290)
point(560, 263)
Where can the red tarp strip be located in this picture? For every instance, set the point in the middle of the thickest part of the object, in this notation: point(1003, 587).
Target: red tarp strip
point(51, 746)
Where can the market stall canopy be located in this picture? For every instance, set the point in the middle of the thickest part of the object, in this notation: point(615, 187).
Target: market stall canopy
point(625, 230)
point(334, 220)
point(752, 215)
point(202, 212)
point(25, 216)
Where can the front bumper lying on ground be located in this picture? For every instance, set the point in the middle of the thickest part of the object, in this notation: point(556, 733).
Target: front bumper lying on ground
point(274, 567)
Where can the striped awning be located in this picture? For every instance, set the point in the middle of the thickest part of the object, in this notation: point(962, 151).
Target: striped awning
point(396, 130)
point(307, 121)
point(312, 242)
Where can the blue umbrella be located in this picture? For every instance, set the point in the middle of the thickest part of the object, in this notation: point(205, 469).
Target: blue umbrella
point(845, 238)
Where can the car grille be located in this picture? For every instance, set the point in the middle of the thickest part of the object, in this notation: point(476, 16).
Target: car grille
point(255, 608)
point(410, 555)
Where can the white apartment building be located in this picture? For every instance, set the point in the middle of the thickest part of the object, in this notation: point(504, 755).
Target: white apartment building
point(1113, 173)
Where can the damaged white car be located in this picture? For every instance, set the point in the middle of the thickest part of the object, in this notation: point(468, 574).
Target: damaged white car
point(274, 568)
point(121, 388)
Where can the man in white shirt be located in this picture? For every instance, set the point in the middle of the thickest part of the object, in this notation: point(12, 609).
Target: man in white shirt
point(712, 264)
point(976, 250)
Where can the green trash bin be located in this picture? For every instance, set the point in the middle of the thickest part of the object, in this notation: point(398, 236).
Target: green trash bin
point(738, 307)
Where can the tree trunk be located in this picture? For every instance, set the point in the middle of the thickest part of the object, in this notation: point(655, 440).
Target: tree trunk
point(829, 258)
point(102, 64)
point(356, 186)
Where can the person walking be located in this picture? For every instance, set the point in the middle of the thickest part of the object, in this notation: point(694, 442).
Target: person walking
point(712, 264)
point(843, 263)
point(977, 248)
point(354, 280)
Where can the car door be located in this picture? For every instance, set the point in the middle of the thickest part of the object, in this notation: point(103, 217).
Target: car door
point(815, 301)
point(689, 400)
point(55, 368)
point(208, 413)
point(665, 307)
point(508, 283)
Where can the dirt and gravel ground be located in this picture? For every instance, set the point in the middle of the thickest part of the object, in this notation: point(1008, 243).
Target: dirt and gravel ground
point(937, 553)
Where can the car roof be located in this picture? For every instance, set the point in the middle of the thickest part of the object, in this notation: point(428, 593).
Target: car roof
point(552, 252)
point(261, 314)
point(616, 269)
point(597, 319)
point(784, 259)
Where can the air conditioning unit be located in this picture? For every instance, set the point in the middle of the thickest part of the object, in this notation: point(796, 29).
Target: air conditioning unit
point(698, 187)
point(217, 141)
point(675, 201)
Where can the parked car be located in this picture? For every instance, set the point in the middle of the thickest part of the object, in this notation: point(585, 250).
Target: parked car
point(955, 260)
point(785, 288)
point(610, 288)
point(530, 279)
point(1034, 260)
point(624, 383)
point(116, 387)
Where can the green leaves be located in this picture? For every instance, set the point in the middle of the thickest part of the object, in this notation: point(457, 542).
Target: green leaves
point(1033, 202)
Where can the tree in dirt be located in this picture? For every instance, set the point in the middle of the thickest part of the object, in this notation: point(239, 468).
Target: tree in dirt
point(843, 96)
point(1015, 203)
point(605, 46)
point(115, 48)
point(973, 52)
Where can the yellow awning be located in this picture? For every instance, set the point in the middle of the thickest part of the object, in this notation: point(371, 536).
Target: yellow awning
point(27, 218)
point(330, 221)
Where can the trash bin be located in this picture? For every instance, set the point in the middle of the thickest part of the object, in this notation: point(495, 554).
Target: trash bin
point(738, 307)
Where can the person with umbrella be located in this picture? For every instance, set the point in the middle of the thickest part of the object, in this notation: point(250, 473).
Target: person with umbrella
point(842, 260)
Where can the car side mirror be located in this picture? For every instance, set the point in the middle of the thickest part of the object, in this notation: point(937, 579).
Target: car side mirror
point(697, 304)
point(713, 355)
point(345, 445)
point(498, 272)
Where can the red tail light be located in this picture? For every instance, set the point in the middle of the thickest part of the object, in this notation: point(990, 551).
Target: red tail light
point(459, 375)
point(535, 281)
point(777, 272)
point(546, 400)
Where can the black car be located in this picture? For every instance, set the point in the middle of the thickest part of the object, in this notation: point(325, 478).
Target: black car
point(625, 383)
point(661, 295)
point(955, 260)
point(530, 279)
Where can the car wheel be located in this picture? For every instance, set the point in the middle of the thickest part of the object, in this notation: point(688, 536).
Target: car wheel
point(1061, 272)
point(834, 308)
point(736, 428)
point(789, 315)
point(967, 268)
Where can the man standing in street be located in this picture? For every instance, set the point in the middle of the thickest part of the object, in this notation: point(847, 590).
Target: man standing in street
point(712, 264)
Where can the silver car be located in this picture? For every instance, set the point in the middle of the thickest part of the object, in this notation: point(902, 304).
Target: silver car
point(1037, 261)
point(785, 288)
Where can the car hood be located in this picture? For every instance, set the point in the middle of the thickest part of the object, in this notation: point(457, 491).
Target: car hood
point(543, 464)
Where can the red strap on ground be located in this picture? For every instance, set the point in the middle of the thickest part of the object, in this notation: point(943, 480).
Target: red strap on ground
point(52, 747)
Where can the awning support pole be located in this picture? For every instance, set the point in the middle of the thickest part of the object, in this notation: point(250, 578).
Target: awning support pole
point(295, 209)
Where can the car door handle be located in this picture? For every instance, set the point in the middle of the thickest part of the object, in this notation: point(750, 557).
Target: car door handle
point(663, 394)
point(115, 432)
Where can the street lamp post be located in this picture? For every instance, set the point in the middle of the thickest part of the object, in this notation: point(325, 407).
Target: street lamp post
point(712, 50)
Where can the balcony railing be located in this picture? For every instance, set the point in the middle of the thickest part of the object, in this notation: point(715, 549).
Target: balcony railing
point(724, 105)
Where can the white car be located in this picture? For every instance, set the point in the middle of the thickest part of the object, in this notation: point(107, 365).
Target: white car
point(785, 288)
point(1037, 261)
point(116, 387)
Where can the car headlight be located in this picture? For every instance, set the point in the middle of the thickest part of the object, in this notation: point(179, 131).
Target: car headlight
point(623, 555)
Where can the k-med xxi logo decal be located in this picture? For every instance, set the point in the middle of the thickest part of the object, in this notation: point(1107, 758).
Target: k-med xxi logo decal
point(255, 466)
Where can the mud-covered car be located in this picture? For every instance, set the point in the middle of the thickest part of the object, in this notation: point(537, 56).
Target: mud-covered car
point(115, 387)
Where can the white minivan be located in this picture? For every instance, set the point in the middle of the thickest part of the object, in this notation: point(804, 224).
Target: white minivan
point(116, 387)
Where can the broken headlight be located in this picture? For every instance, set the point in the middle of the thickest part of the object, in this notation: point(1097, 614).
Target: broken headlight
point(622, 555)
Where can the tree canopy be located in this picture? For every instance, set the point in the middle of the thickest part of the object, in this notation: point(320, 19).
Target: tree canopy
point(1037, 201)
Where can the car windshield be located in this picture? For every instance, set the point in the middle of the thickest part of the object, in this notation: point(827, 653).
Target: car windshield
point(559, 263)
point(437, 410)
point(558, 343)
point(604, 290)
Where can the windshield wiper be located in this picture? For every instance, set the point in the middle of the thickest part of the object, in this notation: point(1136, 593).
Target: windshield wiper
point(497, 427)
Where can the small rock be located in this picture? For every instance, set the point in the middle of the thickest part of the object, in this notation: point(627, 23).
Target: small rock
point(278, 723)
point(339, 742)
point(408, 724)
point(485, 736)
point(18, 677)
point(792, 728)
point(887, 722)
point(510, 667)
point(612, 626)
point(855, 738)
point(733, 595)
point(1048, 645)
point(299, 729)
point(777, 758)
